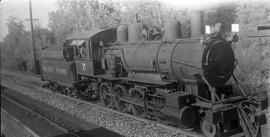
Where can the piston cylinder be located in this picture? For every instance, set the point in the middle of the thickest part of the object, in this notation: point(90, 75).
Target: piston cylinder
point(185, 116)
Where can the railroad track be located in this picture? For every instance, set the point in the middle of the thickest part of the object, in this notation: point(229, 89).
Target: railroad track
point(179, 132)
point(35, 113)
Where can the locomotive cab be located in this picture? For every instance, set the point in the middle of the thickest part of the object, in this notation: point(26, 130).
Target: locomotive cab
point(88, 47)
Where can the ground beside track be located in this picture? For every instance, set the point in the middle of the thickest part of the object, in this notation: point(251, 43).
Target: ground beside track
point(41, 126)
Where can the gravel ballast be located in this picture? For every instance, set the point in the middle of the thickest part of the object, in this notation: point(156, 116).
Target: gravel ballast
point(122, 124)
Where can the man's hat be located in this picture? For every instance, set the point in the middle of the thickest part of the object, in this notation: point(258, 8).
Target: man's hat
point(219, 27)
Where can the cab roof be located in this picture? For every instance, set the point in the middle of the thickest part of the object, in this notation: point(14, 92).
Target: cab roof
point(85, 34)
point(52, 52)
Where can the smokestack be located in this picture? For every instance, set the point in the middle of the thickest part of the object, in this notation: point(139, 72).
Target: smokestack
point(197, 23)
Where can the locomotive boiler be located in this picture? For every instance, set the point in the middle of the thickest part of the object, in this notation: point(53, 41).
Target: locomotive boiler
point(175, 81)
point(173, 60)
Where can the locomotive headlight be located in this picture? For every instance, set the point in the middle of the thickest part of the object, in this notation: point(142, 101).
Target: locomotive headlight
point(235, 28)
point(207, 29)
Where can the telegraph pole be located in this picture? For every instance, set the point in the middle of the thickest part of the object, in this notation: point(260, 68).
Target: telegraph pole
point(36, 67)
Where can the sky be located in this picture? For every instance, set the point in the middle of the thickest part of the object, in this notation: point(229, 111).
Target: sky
point(20, 9)
point(41, 8)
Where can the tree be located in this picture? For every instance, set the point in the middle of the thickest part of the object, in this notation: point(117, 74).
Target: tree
point(44, 37)
point(249, 16)
point(16, 48)
point(150, 12)
point(224, 13)
point(74, 15)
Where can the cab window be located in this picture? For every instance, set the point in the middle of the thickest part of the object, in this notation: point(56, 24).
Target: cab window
point(68, 51)
point(81, 49)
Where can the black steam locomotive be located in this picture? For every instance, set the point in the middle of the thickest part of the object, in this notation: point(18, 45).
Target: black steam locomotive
point(174, 81)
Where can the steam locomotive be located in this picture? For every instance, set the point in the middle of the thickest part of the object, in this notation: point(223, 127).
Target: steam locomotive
point(175, 81)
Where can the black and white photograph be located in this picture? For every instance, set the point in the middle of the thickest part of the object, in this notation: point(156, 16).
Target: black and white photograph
point(135, 68)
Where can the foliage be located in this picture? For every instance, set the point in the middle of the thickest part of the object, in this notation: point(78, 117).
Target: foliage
point(17, 50)
point(224, 13)
point(248, 50)
point(75, 15)
point(79, 15)
point(44, 37)
point(150, 12)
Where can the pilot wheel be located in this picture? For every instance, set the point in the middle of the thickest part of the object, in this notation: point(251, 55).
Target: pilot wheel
point(209, 129)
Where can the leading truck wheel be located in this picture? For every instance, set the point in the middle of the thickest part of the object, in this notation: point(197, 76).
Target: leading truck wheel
point(209, 129)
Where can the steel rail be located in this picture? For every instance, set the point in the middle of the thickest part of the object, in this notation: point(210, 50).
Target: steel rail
point(52, 122)
point(185, 132)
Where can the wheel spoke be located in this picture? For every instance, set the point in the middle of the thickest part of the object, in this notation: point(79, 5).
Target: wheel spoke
point(137, 111)
point(120, 93)
point(137, 96)
point(105, 91)
point(209, 129)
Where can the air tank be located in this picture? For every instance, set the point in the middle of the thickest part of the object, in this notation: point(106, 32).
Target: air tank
point(197, 23)
point(134, 32)
point(122, 33)
point(172, 29)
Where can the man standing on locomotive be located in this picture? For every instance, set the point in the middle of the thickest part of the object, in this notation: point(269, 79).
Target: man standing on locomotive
point(220, 34)
point(219, 30)
point(218, 60)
